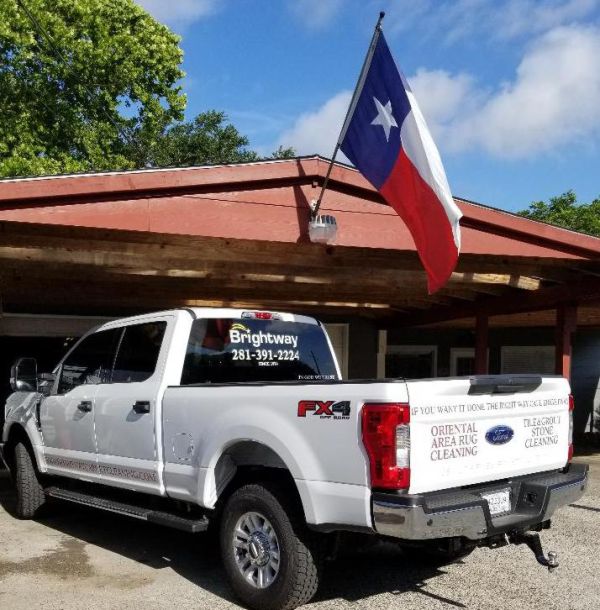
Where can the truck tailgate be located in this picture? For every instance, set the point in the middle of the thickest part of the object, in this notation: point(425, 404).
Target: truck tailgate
point(472, 430)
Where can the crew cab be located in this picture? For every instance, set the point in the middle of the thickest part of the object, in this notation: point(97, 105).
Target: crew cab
point(239, 421)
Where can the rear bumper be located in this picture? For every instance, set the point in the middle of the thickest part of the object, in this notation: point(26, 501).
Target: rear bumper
point(463, 512)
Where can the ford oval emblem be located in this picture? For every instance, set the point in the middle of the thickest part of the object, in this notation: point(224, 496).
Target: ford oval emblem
point(499, 435)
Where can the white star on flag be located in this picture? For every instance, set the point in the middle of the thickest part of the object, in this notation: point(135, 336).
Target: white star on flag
point(384, 117)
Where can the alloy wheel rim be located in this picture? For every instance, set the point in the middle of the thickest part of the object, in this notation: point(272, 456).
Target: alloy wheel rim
point(256, 549)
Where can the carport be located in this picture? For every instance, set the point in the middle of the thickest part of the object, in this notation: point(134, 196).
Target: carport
point(77, 249)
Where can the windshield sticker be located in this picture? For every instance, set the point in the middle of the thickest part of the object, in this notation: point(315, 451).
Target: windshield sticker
point(316, 377)
point(244, 336)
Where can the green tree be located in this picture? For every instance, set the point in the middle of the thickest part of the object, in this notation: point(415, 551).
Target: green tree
point(564, 211)
point(207, 139)
point(284, 152)
point(79, 81)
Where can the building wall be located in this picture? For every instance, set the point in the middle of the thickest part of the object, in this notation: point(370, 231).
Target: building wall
point(362, 361)
point(47, 343)
point(585, 376)
point(446, 339)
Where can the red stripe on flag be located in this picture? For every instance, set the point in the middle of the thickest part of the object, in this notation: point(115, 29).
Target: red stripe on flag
point(421, 210)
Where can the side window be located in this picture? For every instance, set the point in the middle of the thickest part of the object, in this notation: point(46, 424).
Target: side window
point(138, 352)
point(90, 362)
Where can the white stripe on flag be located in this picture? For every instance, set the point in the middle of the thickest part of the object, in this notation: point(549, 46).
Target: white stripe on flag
point(423, 154)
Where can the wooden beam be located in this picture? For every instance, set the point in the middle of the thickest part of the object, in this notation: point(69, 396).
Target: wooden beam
point(175, 249)
point(566, 324)
point(107, 303)
point(274, 273)
point(513, 280)
point(582, 290)
point(72, 278)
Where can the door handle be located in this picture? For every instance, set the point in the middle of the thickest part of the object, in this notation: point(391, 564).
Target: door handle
point(85, 406)
point(142, 406)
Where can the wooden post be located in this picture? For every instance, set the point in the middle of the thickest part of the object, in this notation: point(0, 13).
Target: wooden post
point(566, 323)
point(481, 344)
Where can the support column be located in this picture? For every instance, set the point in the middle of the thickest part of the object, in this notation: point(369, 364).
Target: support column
point(481, 344)
point(566, 323)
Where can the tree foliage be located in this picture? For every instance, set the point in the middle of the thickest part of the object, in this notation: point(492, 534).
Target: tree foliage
point(564, 211)
point(284, 152)
point(205, 140)
point(78, 76)
point(95, 85)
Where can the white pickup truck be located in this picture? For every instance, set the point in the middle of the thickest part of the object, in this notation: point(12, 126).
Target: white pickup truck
point(235, 419)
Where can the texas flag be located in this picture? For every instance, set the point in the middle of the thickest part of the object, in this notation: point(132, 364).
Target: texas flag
point(389, 143)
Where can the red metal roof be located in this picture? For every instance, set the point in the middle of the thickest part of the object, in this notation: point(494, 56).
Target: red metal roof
point(265, 201)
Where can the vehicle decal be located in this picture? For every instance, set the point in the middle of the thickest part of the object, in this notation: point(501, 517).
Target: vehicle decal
point(112, 471)
point(128, 473)
point(451, 441)
point(542, 431)
point(70, 463)
point(257, 339)
point(325, 409)
point(239, 326)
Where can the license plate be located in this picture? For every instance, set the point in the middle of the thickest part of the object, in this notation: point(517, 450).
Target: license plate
point(498, 502)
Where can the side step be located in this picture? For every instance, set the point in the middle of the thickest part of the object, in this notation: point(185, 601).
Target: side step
point(192, 526)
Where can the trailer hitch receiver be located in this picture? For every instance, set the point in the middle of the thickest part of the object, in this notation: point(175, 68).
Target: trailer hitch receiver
point(532, 540)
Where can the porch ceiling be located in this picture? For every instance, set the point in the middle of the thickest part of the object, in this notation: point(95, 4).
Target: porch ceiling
point(68, 269)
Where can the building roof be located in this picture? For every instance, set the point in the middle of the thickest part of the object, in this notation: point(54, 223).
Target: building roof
point(236, 232)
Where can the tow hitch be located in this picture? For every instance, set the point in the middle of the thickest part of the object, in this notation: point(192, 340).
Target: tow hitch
point(532, 540)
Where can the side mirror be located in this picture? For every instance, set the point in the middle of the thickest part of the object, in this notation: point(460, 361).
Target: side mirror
point(23, 375)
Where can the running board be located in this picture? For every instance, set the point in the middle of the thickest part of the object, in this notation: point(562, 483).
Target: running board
point(185, 524)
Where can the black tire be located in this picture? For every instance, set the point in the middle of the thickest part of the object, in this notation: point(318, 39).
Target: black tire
point(301, 554)
point(30, 493)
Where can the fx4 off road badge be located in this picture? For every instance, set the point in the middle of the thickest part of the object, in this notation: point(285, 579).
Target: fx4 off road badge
point(325, 409)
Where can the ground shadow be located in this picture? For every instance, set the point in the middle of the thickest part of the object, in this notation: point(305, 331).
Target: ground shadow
point(354, 575)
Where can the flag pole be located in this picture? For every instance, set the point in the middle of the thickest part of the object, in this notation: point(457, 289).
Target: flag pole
point(316, 204)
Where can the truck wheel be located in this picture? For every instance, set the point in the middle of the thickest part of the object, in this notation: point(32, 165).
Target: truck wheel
point(30, 493)
point(271, 559)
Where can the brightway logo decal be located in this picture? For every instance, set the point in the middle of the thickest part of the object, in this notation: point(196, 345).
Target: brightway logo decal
point(239, 326)
point(246, 336)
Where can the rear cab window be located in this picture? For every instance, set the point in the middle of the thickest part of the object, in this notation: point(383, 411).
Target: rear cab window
point(227, 350)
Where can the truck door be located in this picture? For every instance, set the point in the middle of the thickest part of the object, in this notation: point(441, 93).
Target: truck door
point(67, 416)
point(126, 410)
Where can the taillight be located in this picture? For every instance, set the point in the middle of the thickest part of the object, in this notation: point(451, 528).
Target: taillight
point(571, 408)
point(386, 437)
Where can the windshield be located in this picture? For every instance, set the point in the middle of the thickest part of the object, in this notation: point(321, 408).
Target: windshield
point(232, 350)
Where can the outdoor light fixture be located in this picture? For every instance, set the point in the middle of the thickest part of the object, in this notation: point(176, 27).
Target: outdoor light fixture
point(322, 229)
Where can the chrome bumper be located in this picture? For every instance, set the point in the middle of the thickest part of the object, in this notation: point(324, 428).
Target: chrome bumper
point(534, 499)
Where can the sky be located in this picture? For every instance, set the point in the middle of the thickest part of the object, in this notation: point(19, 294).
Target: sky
point(510, 89)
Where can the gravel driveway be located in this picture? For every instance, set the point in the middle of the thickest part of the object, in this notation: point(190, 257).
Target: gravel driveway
point(82, 558)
